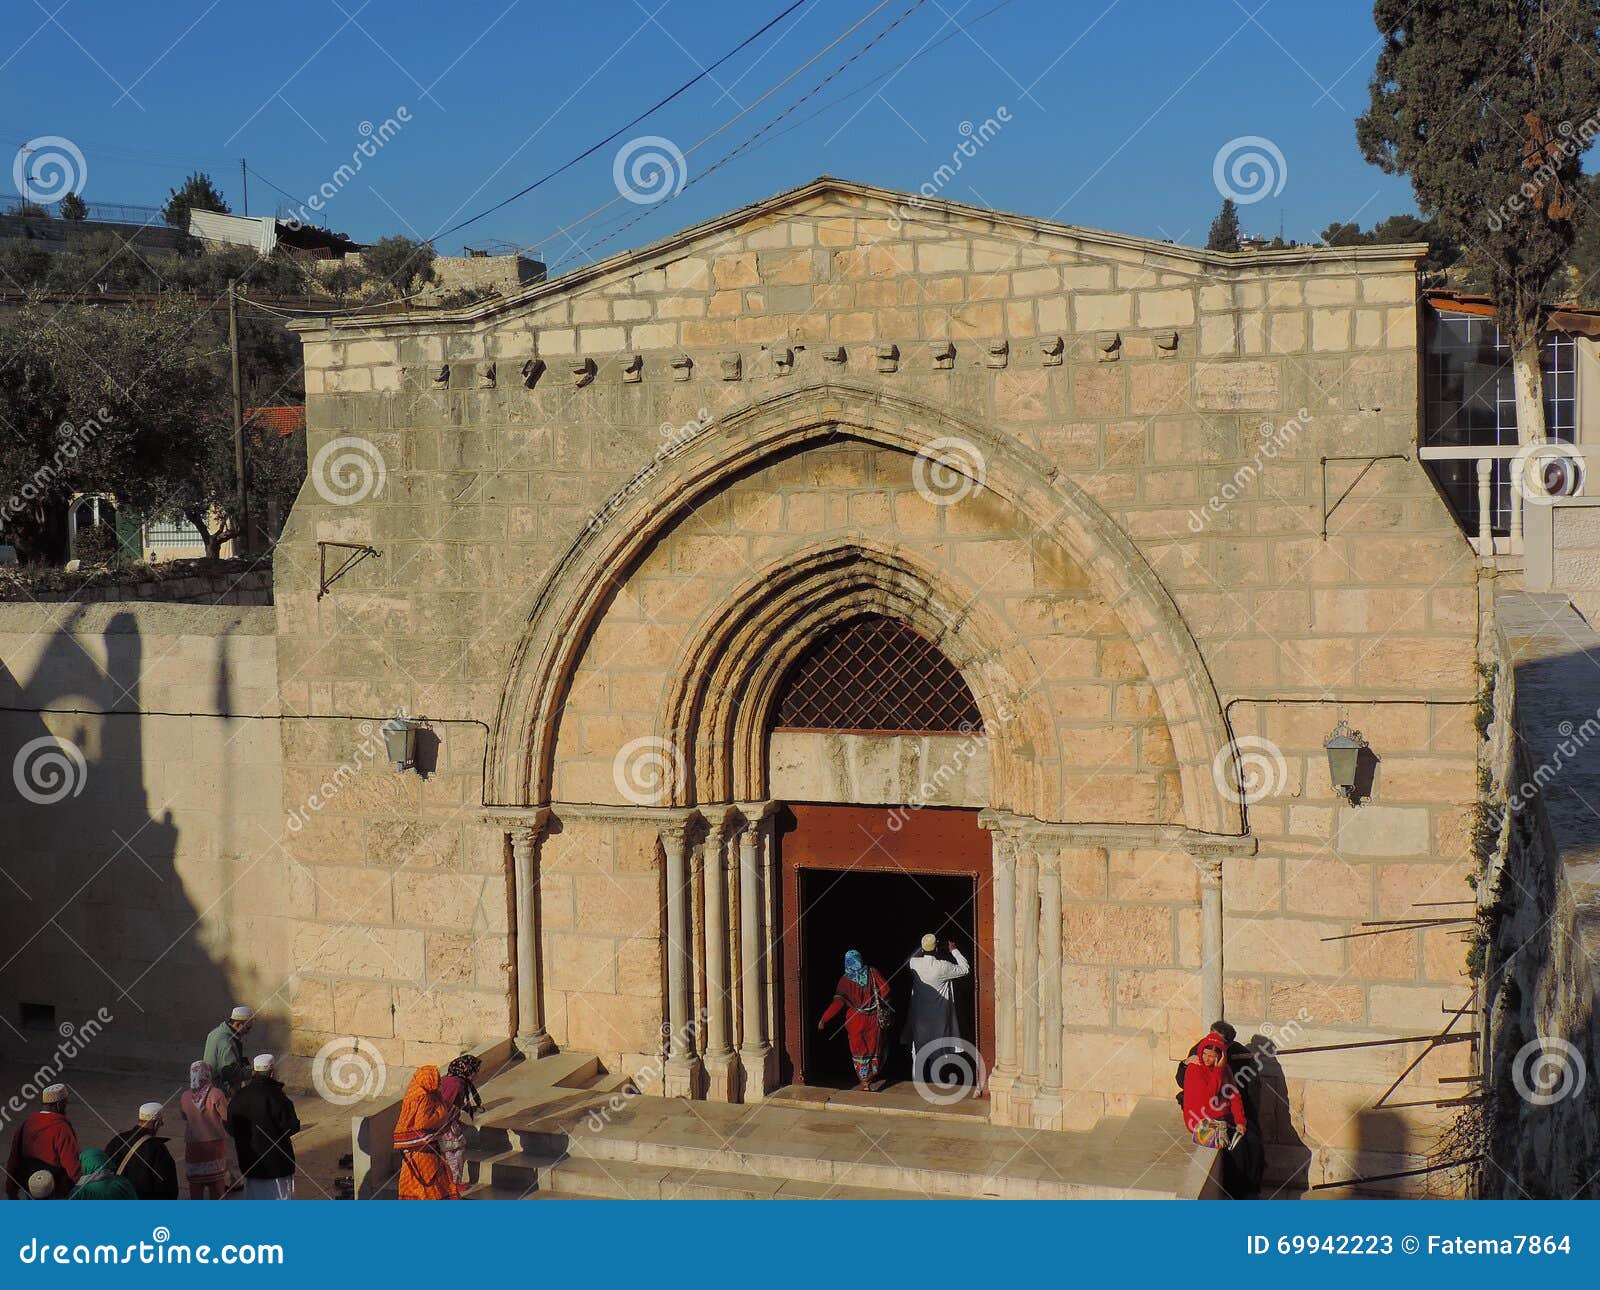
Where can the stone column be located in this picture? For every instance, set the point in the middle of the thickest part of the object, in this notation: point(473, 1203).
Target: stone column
point(1004, 1076)
point(1485, 508)
point(1211, 1004)
point(722, 1073)
point(682, 1077)
point(757, 1057)
point(1027, 1085)
point(1048, 1105)
point(532, 1039)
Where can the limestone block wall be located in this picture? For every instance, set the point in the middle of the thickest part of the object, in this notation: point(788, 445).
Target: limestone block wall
point(399, 895)
point(925, 770)
point(142, 871)
point(1540, 1122)
point(1192, 397)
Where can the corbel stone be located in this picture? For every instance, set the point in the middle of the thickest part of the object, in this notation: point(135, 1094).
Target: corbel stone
point(732, 367)
point(888, 358)
point(1051, 350)
point(1108, 346)
point(486, 376)
point(682, 367)
point(532, 370)
point(1166, 344)
point(583, 371)
point(943, 354)
point(633, 369)
point(441, 377)
point(999, 353)
point(782, 360)
point(833, 354)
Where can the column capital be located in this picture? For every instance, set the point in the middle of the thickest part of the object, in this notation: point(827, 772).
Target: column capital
point(524, 823)
point(756, 813)
point(1210, 867)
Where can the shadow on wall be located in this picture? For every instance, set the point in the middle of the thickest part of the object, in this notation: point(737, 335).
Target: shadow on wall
point(1288, 1163)
point(96, 921)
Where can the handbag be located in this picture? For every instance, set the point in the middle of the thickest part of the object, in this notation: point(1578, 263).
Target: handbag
point(1212, 1133)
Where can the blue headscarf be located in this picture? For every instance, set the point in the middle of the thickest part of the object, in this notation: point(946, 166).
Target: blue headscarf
point(855, 968)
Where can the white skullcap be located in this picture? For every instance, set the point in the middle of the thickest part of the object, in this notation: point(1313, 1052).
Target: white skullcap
point(244, 1012)
point(263, 1062)
point(55, 1093)
point(42, 1185)
point(930, 942)
point(149, 1111)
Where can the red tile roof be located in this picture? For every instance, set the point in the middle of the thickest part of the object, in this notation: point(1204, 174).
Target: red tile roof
point(284, 418)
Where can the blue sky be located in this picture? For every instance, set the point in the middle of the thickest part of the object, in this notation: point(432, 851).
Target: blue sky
point(1117, 108)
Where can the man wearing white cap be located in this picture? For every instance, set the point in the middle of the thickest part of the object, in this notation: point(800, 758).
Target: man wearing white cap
point(263, 1124)
point(225, 1049)
point(142, 1157)
point(931, 1021)
point(45, 1140)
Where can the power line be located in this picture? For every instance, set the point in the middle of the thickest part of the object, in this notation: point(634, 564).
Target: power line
point(621, 130)
point(743, 112)
point(752, 139)
point(868, 84)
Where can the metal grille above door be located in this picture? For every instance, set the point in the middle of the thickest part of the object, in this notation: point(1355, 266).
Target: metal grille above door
point(876, 674)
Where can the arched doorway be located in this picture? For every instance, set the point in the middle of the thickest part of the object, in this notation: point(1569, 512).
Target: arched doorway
point(877, 747)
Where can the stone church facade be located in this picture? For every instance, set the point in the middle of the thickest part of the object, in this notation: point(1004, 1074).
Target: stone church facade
point(1100, 475)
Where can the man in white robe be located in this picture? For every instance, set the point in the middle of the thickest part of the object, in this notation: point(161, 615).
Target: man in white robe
point(932, 1016)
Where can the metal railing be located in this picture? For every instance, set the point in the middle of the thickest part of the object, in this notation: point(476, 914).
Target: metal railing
point(1484, 540)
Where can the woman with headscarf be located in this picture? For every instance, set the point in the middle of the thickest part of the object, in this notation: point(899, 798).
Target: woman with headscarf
point(424, 1118)
point(460, 1094)
point(100, 1181)
point(1212, 1107)
point(863, 996)
point(205, 1134)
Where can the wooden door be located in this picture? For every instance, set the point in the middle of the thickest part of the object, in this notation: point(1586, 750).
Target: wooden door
point(875, 878)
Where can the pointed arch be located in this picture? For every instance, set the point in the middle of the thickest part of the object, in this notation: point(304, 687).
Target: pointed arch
point(574, 594)
point(725, 684)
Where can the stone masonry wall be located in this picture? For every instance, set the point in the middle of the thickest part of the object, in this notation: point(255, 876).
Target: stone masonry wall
point(1191, 396)
point(141, 869)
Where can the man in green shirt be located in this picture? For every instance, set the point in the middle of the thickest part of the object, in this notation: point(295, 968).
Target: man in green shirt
point(225, 1050)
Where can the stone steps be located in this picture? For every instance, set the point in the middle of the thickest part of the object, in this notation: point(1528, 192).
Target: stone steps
point(660, 1147)
point(525, 1176)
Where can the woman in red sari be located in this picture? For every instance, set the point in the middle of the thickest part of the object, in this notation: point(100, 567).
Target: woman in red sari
point(425, 1117)
point(863, 996)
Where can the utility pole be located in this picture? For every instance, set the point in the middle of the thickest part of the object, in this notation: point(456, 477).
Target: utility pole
point(244, 176)
point(241, 544)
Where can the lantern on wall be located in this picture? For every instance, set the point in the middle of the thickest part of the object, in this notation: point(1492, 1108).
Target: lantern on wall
point(1344, 747)
point(400, 740)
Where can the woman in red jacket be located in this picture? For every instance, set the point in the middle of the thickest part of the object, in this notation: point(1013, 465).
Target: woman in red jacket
point(863, 996)
point(1209, 1091)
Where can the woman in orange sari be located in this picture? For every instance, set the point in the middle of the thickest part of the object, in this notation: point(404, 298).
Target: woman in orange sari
point(424, 1117)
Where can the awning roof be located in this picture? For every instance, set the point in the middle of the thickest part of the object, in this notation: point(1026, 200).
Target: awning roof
point(1566, 318)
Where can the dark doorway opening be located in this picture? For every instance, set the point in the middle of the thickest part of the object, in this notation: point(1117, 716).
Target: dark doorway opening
point(883, 915)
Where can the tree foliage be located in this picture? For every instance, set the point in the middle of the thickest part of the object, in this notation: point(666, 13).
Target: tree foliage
point(1443, 251)
point(1485, 105)
point(132, 402)
point(73, 207)
point(397, 266)
point(197, 193)
point(1225, 230)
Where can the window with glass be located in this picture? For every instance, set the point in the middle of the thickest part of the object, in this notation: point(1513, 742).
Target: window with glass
point(1470, 401)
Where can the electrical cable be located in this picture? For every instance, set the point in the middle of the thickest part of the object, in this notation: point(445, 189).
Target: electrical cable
point(749, 142)
point(736, 117)
point(621, 130)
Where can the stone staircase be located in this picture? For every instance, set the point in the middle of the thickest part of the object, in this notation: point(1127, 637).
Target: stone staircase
point(590, 1136)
